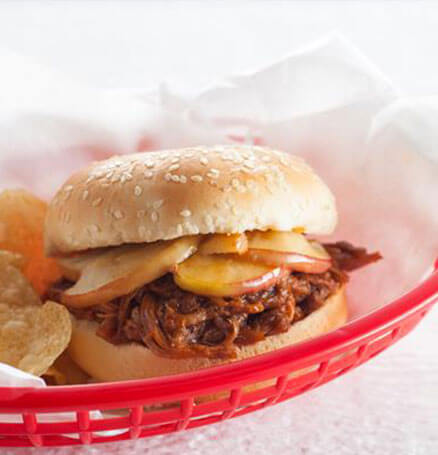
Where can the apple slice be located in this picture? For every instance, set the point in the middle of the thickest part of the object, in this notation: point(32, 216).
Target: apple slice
point(224, 244)
point(72, 267)
point(290, 249)
point(224, 275)
point(121, 270)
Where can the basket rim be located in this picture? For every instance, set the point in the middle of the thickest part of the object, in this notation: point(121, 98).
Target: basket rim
point(234, 374)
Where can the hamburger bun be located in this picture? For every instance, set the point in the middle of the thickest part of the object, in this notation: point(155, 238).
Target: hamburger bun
point(107, 362)
point(163, 195)
point(156, 196)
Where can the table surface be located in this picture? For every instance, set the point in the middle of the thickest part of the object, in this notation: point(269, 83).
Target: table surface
point(389, 405)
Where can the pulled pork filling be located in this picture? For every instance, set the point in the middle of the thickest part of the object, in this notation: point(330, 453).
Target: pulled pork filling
point(176, 323)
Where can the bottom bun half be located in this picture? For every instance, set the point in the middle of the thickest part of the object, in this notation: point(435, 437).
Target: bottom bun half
point(107, 362)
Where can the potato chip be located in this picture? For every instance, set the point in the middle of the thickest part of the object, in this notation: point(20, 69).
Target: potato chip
point(14, 287)
point(21, 230)
point(33, 336)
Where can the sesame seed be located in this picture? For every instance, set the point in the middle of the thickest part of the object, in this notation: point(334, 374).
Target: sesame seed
point(233, 210)
point(235, 183)
point(115, 178)
point(196, 178)
point(96, 202)
point(118, 214)
point(109, 175)
point(175, 160)
point(175, 178)
point(142, 231)
point(185, 213)
point(182, 178)
point(157, 204)
point(138, 190)
point(148, 174)
point(283, 161)
point(68, 188)
point(174, 167)
point(203, 160)
point(168, 177)
point(154, 216)
point(140, 213)
point(150, 164)
point(179, 229)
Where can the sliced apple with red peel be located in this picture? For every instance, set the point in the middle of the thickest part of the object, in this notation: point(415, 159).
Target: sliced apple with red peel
point(222, 276)
point(224, 244)
point(289, 249)
point(123, 269)
point(293, 261)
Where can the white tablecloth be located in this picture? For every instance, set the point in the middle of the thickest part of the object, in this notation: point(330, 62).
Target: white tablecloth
point(389, 405)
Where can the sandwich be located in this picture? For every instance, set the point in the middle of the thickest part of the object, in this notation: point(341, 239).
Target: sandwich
point(178, 260)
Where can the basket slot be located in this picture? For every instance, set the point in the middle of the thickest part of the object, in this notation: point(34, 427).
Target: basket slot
point(31, 426)
point(154, 430)
point(204, 420)
point(211, 407)
point(186, 412)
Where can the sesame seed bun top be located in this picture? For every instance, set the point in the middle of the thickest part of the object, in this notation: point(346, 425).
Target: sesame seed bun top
point(162, 195)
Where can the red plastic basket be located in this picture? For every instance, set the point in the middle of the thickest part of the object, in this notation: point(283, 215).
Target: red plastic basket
point(138, 409)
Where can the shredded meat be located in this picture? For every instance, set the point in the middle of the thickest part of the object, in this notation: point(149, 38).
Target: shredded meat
point(176, 323)
point(347, 257)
